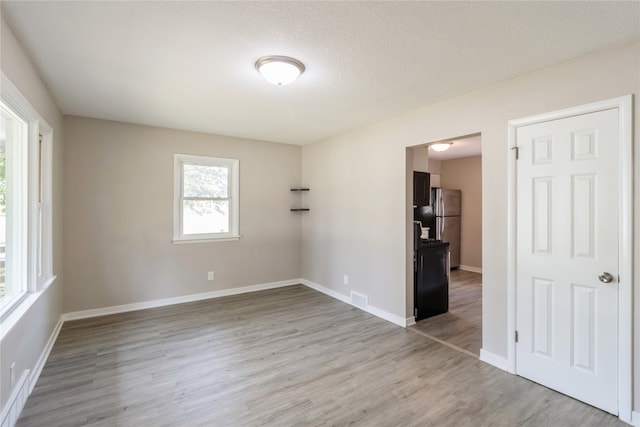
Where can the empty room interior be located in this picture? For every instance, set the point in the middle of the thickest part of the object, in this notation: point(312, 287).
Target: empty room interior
point(319, 213)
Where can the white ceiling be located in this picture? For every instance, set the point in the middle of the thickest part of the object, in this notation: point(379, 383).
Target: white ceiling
point(190, 65)
point(463, 147)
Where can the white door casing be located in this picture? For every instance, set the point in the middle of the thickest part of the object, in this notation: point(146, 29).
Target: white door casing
point(570, 221)
point(567, 320)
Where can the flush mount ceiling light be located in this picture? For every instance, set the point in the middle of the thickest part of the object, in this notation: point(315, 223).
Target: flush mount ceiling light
point(279, 70)
point(441, 146)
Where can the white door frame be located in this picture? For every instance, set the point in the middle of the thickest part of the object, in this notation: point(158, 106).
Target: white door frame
point(625, 245)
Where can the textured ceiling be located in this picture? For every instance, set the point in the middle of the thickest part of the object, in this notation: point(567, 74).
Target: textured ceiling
point(190, 65)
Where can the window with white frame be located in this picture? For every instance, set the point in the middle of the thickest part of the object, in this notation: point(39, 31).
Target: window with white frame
point(205, 198)
point(25, 200)
point(14, 163)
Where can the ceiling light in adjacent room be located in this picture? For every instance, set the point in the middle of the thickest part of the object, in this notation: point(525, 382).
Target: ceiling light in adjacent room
point(441, 146)
point(279, 70)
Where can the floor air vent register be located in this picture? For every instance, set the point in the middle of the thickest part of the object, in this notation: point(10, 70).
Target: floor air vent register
point(359, 300)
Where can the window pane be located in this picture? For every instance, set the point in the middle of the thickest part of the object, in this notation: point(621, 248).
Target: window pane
point(205, 216)
point(13, 220)
point(3, 205)
point(206, 200)
point(205, 181)
point(39, 237)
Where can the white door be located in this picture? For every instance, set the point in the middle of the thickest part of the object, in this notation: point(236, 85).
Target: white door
point(567, 248)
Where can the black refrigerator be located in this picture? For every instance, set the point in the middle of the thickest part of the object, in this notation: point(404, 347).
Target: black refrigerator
point(431, 276)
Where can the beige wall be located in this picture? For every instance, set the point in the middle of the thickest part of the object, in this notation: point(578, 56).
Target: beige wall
point(435, 166)
point(466, 175)
point(119, 215)
point(420, 159)
point(359, 178)
point(24, 343)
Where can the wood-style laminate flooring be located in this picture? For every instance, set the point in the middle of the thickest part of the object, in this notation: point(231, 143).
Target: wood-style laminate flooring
point(284, 357)
point(462, 325)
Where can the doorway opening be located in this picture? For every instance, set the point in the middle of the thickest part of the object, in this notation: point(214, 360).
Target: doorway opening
point(459, 169)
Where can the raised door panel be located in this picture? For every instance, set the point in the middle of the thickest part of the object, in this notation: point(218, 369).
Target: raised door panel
point(567, 235)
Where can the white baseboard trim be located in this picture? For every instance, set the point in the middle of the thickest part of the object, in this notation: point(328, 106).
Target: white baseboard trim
point(85, 314)
point(494, 360)
point(635, 419)
point(327, 291)
point(400, 321)
point(471, 269)
point(27, 382)
point(18, 398)
point(37, 370)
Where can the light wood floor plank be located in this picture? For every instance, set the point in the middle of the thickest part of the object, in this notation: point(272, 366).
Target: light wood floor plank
point(283, 357)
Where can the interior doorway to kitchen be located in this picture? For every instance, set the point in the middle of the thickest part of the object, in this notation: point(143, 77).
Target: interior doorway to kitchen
point(459, 167)
point(461, 326)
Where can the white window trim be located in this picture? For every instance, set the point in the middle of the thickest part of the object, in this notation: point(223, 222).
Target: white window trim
point(37, 278)
point(234, 194)
point(37, 126)
point(18, 226)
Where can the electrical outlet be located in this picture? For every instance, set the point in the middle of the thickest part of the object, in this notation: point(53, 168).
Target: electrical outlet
point(210, 275)
point(12, 375)
point(346, 279)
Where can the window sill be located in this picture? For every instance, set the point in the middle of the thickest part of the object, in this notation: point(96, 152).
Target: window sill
point(10, 304)
point(12, 314)
point(206, 240)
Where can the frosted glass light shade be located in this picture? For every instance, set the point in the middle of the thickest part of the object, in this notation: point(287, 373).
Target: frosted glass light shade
point(279, 70)
point(441, 146)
